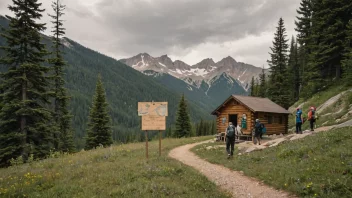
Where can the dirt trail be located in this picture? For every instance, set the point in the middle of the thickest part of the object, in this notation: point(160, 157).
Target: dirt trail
point(231, 181)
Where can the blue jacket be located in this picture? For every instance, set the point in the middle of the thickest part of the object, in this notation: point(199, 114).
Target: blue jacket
point(298, 116)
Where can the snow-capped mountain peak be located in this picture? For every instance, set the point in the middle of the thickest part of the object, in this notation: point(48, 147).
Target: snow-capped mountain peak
point(205, 71)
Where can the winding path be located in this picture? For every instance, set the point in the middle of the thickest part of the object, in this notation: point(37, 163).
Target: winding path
point(230, 181)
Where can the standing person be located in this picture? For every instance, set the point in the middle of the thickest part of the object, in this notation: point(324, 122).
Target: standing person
point(311, 118)
point(230, 139)
point(263, 130)
point(258, 130)
point(299, 121)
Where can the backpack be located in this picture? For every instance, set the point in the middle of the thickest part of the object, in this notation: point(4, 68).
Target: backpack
point(230, 131)
point(262, 128)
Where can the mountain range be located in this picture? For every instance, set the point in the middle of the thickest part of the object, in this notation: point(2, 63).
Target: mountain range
point(215, 81)
point(144, 78)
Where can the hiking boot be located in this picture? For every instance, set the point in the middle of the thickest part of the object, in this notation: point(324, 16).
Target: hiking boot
point(228, 156)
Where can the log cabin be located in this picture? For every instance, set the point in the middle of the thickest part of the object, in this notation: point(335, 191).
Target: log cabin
point(244, 110)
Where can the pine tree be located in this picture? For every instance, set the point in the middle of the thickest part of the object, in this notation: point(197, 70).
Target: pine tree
point(24, 127)
point(256, 87)
point(99, 129)
point(214, 127)
point(278, 89)
point(63, 136)
point(198, 129)
point(262, 84)
point(347, 62)
point(306, 39)
point(252, 88)
point(294, 71)
point(303, 23)
point(201, 128)
point(183, 123)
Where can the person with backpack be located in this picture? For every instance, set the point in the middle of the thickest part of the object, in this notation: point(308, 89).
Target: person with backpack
point(263, 130)
point(258, 130)
point(299, 121)
point(230, 139)
point(311, 118)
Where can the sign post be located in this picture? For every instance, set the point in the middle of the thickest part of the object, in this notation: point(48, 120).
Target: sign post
point(153, 118)
point(159, 143)
point(146, 144)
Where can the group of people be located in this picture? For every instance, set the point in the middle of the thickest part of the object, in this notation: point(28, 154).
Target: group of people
point(259, 129)
point(300, 119)
point(232, 131)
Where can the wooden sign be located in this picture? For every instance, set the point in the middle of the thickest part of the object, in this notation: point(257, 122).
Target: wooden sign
point(153, 122)
point(152, 109)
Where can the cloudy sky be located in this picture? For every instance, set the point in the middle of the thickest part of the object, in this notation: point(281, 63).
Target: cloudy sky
point(188, 30)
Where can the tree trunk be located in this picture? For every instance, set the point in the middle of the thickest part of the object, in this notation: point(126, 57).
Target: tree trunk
point(24, 120)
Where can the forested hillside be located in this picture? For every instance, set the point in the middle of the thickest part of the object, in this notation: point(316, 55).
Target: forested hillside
point(124, 87)
point(319, 57)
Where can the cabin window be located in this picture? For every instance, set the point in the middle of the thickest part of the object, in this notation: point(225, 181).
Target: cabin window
point(270, 119)
point(280, 119)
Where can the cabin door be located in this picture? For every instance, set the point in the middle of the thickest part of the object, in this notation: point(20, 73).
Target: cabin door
point(233, 119)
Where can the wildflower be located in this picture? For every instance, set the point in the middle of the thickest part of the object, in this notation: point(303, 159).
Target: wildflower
point(285, 184)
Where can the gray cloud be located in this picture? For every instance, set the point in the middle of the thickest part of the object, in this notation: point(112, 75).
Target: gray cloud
point(162, 24)
point(185, 29)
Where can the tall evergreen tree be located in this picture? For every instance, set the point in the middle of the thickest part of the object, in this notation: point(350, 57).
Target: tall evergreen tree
point(305, 40)
point(63, 135)
point(262, 84)
point(256, 87)
point(303, 23)
point(24, 127)
point(347, 62)
point(99, 129)
point(198, 128)
point(279, 88)
point(294, 71)
point(252, 88)
point(183, 123)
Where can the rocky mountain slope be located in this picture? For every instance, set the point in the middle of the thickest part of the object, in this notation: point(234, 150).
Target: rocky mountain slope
point(205, 72)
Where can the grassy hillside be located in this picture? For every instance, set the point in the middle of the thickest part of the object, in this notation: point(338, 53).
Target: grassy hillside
point(119, 171)
point(316, 166)
point(334, 114)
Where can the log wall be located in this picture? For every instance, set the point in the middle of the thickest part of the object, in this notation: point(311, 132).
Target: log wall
point(234, 108)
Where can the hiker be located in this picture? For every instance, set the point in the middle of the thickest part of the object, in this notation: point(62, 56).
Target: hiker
point(263, 130)
point(258, 130)
point(299, 121)
point(311, 118)
point(230, 139)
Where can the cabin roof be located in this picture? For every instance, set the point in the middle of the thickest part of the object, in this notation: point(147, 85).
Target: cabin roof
point(255, 104)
